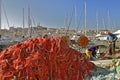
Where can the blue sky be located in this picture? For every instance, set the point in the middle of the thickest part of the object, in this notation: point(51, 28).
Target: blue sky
point(53, 13)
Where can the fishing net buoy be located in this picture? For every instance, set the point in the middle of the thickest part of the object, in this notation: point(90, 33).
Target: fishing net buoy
point(83, 41)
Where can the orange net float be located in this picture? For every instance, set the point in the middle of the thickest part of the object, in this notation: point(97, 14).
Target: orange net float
point(83, 41)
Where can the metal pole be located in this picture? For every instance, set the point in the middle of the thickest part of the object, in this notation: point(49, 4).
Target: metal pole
point(75, 18)
point(23, 24)
point(29, 29)
point(0, 13)
point(104, 24)
point(97, 21)
point(85, 17)
point(109, 18)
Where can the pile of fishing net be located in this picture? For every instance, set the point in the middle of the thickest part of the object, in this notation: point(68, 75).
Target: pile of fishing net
point(43, 59)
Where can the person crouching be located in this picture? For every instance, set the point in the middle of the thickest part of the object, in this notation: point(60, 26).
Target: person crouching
point(91, 52)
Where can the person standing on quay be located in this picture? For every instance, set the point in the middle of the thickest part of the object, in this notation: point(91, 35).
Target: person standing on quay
point(111, 39)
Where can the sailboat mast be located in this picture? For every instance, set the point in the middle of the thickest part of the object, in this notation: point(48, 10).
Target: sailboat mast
point(97, 21)
point(114, 25)
point(29, 30)
point(23, 23)
point(104, 24)
point(66, 24)
point(75, 17)
point(85, 17)
point(108, 18)
point(0, 13)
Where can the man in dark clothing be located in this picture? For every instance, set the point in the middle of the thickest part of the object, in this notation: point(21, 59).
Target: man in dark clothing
point(93, 50)
point(111, 39)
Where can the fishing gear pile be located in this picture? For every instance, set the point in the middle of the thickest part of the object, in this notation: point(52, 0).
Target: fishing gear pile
point(43, 59)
